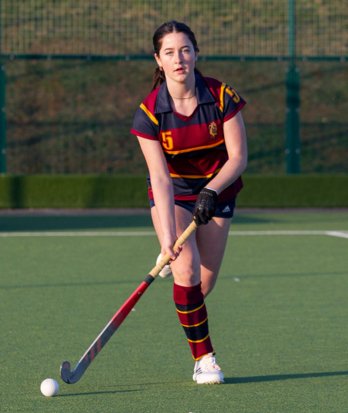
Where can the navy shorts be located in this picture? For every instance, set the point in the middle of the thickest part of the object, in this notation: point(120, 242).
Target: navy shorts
point(224, 209)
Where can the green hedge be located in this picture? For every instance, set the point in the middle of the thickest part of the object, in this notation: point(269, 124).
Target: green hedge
point(72, 191)
point(126, 191)
point(295, 191)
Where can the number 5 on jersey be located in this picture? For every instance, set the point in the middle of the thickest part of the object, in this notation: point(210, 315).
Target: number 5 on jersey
point(167, 140)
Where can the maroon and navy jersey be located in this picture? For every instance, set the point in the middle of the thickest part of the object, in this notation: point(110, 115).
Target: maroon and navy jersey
point(194, 146)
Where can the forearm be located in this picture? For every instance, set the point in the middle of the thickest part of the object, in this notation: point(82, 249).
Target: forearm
point(231, 171)
point(236, 145)
point(162, 189)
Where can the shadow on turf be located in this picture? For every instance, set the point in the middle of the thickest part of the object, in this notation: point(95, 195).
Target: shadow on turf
point(232, 380)
point(279, 377)
point(93, 393)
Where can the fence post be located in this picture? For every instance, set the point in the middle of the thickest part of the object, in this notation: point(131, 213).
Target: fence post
point(3, 168)
point(292, 125)
point(2, 104)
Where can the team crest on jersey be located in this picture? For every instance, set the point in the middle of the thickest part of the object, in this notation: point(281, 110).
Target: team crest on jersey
point(213, 130)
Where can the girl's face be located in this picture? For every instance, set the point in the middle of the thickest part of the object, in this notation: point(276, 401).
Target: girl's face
point(177, 57)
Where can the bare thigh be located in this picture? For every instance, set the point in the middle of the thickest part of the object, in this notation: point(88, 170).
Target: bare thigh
point(202, 254)
point(211, 242)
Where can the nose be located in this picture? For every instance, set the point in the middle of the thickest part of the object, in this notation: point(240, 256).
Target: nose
point(178, 57)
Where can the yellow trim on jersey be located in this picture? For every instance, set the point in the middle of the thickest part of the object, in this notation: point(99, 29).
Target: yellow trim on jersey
point(190, 311)
point(229, 91)
point(198, 341)
point(149, 114)
point(197, 148)
point(195, 325)
point(194, 176)
point(222, 101)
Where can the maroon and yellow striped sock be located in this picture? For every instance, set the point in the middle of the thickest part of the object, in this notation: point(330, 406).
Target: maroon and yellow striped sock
point(192, 313)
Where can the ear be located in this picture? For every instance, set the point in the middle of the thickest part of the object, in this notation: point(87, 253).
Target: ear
point(158, 60)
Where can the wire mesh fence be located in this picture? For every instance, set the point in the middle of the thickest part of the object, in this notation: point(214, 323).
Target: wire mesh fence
point(77, 70)
point(224, 27)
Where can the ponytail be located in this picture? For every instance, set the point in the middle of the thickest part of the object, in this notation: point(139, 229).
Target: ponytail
point(158, 78)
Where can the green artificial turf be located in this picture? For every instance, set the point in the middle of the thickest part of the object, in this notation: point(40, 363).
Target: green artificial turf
point(278, 317)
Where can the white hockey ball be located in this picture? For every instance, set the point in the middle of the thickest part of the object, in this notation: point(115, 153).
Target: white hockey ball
point(49, 387)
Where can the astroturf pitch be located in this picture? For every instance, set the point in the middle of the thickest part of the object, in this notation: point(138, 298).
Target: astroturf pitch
point(278, 316)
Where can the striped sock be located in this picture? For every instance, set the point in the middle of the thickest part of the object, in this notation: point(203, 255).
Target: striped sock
point(192, 313)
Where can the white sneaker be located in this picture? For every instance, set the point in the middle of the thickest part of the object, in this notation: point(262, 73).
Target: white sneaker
point(206, 371)
point(166, 271)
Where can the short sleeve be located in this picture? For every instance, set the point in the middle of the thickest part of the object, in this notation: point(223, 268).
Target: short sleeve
point(145, 124)
point(233, 103)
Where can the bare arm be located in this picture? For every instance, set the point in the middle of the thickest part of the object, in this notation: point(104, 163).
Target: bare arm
point(236, 144)
point(162, 188)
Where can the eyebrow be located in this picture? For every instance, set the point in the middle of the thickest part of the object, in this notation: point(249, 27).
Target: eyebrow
point(172, 48)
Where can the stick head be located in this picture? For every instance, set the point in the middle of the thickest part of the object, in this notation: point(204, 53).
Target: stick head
point(71, 377)
point(65, 372)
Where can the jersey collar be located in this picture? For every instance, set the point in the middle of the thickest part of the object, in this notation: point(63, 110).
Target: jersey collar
point(163, 99)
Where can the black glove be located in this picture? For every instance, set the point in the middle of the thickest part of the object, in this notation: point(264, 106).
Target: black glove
point(205, 206)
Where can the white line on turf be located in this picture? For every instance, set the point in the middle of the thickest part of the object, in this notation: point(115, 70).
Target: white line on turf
point(339, 234)
point(18, 234)
point(277, 232)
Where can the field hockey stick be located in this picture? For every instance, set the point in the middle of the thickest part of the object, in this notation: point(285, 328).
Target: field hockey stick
point(95, 348)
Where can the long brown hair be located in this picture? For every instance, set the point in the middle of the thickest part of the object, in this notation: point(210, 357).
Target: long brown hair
point(167, 28)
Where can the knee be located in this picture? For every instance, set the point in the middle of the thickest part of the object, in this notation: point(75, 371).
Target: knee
point(186, 276)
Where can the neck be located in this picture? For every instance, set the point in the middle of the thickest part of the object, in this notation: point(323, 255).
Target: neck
point(183, 97)
point(182, 91)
